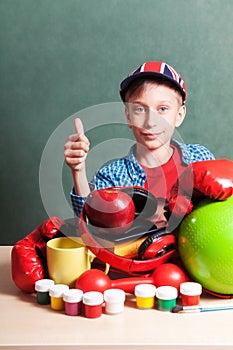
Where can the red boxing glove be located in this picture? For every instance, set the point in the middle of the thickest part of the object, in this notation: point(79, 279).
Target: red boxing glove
point(28, 256)
point(208, 178)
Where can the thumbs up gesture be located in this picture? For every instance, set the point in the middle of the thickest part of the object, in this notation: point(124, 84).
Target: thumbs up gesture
point(76, 148)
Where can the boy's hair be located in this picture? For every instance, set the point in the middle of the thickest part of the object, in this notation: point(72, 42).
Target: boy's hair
point(137, 86)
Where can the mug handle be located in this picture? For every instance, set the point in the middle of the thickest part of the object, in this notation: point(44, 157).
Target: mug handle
point(91, 258)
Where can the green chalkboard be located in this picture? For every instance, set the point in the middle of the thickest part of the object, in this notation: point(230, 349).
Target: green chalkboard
point(60, 57)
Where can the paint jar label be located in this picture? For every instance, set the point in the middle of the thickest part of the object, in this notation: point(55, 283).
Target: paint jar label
point(166, 305)
point(73, 309)
point(57, 303)
point(92, 311)
point(145, 303)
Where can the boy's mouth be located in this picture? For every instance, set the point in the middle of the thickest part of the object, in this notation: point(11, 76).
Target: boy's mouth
point(151, 135)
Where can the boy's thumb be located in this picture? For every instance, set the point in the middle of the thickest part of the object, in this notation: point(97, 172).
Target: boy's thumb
point(79, 127)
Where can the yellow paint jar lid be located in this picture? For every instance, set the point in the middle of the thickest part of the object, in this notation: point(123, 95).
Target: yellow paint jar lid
point(58, 290)
point(145, 290)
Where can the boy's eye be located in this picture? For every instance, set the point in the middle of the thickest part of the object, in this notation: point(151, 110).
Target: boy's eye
point(139, 109)
point(163, 109)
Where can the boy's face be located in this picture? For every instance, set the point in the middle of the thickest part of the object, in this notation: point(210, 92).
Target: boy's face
point(154, 114)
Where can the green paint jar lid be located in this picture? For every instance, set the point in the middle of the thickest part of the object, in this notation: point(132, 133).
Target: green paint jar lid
point(43, 285)
point(166, 293)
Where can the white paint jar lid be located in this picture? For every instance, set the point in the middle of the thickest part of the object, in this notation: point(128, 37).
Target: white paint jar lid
point(93, 298)
point(43, 285)
point(190, 288)
point(166, 293)
point(114, 295)
point(145, 290)
point(58, 290)
point(73, 295)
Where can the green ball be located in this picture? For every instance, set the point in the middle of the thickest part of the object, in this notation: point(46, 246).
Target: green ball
point(205, 244)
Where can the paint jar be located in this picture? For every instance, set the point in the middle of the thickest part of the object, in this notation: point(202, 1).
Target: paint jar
point(73, 301)
point(56, 295)
point(114, 301)
point(145, 295)
point(93, 302)
point(42, 291)
point(166, 296)
point(190, 293)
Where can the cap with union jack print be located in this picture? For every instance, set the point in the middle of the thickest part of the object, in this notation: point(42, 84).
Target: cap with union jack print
point(154, 69)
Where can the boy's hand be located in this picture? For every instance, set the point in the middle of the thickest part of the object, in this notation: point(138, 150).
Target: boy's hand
point(76, 148)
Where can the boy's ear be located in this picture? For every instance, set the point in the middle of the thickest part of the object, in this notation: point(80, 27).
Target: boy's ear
point(180, 115)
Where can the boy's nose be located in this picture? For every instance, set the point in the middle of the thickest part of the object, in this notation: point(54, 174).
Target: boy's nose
point(152, 118)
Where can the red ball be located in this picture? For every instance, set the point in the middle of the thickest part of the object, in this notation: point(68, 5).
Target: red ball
point(110, 209)
point(93, 280)
point(169, 274)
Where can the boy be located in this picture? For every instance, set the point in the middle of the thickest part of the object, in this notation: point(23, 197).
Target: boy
point(154, 96)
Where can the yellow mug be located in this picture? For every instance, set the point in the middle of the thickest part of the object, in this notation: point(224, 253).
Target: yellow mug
point(67, 259)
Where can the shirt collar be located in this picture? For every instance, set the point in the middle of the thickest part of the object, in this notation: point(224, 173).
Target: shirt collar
point(135, 167)
point(185, 155)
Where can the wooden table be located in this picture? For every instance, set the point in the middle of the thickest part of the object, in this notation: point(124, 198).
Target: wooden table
point(26, 325)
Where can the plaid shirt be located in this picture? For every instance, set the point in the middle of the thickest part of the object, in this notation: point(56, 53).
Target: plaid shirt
point(127, 171)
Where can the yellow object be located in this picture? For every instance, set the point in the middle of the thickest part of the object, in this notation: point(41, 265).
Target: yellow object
point(57, 303)
point(145, 303)
point(67, 259)
point(145, 295)
point(127, 249)
point(56, 296)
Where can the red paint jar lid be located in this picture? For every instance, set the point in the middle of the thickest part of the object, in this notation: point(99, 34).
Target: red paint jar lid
point(93, 298)
point(190, 288)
